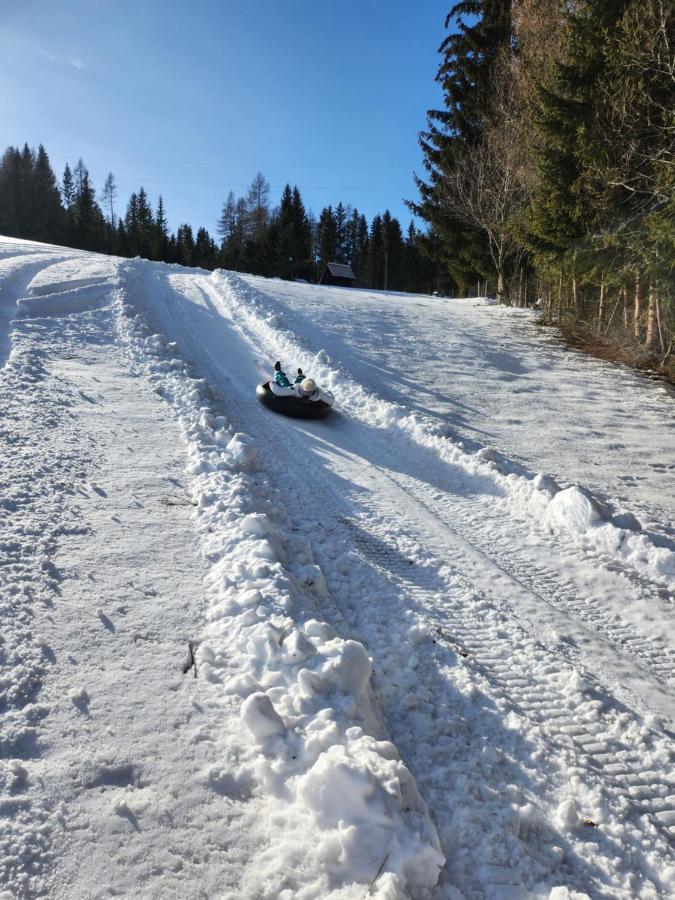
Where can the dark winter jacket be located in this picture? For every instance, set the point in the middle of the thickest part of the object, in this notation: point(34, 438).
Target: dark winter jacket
point(281, 379)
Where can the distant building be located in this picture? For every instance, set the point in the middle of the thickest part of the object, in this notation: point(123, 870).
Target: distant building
point(338, 274)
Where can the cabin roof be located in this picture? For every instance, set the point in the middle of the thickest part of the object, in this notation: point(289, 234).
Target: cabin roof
point(340, 270)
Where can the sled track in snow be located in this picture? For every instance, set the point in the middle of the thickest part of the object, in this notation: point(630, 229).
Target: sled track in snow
point(598, 751)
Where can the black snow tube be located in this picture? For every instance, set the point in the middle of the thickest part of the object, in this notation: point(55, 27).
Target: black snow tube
point(292, 406)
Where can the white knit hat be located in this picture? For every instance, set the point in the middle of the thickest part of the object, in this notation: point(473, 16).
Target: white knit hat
point(308, 386)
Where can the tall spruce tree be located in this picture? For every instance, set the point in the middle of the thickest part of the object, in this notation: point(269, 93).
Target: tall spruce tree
point(562, 210)
point(160, 242)
point(481, 29)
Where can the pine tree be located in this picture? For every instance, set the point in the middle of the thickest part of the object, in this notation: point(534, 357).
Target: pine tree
point(87, 218)
point(205, 251)
point(326, 238)
point(375, 261)
point(108, 197)
point(67, 187)
point(469, 54)
point(131, 226)
point(561, 211)
point(9, 191)
point(146, 224)
point(160, 241)
point(185, 245)
point(392, 252)
point(340, 233)
point(48, 220)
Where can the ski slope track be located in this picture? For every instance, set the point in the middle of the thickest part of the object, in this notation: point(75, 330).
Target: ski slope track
point(397, 653)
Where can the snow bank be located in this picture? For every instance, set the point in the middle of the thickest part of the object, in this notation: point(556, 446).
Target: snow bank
point(65, 302)
point(572, 518)
point(341, 810)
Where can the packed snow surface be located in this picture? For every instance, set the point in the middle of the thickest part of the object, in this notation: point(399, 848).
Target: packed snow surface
point(423, 648)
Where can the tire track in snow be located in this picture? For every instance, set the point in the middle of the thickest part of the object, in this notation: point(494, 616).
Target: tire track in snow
point(495, 534)
point(598, 750)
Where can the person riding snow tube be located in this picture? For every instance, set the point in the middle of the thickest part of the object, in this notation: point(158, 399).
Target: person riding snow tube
point(303, 401)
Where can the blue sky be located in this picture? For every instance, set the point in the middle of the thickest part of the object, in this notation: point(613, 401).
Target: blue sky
point(192, 99)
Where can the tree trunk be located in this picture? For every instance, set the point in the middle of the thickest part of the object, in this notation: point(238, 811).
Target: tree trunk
point(637, 309)
point(659, 326)
point(625, 308)
point(575, 299)
point(500, 286)
point(601, 304)
point(651, 338)
point(560, 295)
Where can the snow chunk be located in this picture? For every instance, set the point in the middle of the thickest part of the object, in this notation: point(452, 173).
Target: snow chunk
point(320, 631)
point(261, 717)
point(546, 484)
point(572, 509)
point(79, 696)
point(242, 449)
point(567, 815)
point(354, 668)
point(337, 789)
point(256, 524)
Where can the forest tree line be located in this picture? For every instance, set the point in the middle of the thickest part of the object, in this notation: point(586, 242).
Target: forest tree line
point(252, 236)
point(549, 174)
point(550, 167)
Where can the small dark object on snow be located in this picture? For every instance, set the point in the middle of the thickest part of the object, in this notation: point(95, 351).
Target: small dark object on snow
point(296, 407)
point(190, 662)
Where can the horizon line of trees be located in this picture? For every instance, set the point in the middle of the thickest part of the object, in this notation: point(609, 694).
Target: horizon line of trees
point(254, 237)
point(550, 168)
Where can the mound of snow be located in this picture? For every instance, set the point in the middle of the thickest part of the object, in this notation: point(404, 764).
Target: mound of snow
point(572, 509)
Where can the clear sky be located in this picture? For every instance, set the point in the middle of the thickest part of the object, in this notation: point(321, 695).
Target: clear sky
point(192, 99)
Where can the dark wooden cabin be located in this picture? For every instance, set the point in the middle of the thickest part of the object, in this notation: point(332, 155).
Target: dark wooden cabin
point(338, 274)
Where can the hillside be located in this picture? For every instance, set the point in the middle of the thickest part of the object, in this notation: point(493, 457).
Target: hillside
point(422, 648)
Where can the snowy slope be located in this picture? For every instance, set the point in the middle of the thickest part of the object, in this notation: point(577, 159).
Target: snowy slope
point(247, 656)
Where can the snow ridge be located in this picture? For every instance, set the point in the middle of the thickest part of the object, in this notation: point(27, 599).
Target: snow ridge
point(342, 812)
point(570, 514)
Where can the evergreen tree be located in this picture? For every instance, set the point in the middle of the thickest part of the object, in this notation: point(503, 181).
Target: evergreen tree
point(205, 251)
point(67, 188)
point(392, 252)
point(561, 210)
point(48, 212)
point(341, 250)
point(326, 238)
point(131, 226)
point(375, 260)
point(9, 194)
point(185, 245)
point(160, 241)
point(87, 218)
point(469, 54)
